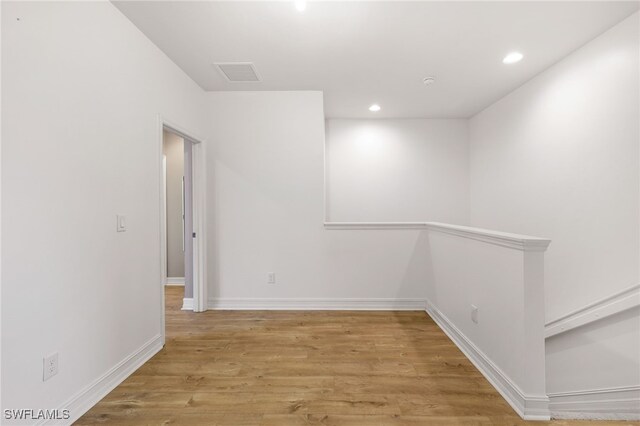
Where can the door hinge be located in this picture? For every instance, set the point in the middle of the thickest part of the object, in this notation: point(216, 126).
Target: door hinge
point(194, 235)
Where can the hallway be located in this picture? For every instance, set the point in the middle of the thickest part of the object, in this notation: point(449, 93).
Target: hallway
point(304, 367)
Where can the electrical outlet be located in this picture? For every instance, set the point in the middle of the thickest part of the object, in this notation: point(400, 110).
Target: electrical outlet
point(474, 313)
point(271, 278)
point(50, 366)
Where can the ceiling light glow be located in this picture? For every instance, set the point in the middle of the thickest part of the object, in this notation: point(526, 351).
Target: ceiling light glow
point(512, 58)
point(301, 5)
point(374, 108)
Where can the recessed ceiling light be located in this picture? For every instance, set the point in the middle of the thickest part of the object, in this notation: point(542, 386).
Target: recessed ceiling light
point(374, 108)
point(512, 58)
point(301, 5)
point(429, 80)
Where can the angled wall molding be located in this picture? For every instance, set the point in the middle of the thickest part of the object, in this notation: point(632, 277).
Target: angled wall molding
point(621, 403)
point(81, 402)
point(317, 304)
point(603, 308)
point(529, 407)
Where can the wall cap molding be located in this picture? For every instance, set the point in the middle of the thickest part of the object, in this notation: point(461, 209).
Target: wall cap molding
point(529, 407)
point(503, 239)
point(319, 304)
point(595, 311)
point(89, 396)
point(373, 225)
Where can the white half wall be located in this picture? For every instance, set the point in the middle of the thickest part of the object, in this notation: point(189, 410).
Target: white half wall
point(82, 91)
point(397, 170)
point(486, 291)
point(560, 157)
point(266, 213)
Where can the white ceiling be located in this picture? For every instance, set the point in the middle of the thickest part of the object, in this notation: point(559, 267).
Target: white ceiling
point(361, 53)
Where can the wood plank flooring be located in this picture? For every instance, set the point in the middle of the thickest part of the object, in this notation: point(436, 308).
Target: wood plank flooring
point(268, 368)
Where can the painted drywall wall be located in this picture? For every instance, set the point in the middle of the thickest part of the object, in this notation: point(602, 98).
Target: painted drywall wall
point(559, 158)
point(82, 90)
point(265, 211)
point(173, 149)
point(397, 170)
point(604, 348)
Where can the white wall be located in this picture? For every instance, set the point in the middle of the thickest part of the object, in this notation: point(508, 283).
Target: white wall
point(266, 210)
point(608, 350)
point(397, 170)
point(82, 90)
point(559, 158)
point(173, 149)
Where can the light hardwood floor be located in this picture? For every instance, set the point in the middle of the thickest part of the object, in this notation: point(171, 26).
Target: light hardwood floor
point(284, 368)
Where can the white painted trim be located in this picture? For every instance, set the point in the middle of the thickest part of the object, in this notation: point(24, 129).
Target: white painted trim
point(611, 305)
point(622, 403)
point(529, 407)
point(175, 281)
point(187, 304)
point(82, 401)
point(503, 239)
point(162, 232)
point(198, 183)
point(320, 304)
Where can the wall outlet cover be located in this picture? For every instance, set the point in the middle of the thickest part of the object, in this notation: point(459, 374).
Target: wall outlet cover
point(50, 366)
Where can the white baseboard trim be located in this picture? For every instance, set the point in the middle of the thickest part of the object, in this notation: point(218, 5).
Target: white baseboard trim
point(529, 407)
point(174, 281)
point(187, 304)
point(622, 403)
point(82, 401)
point(600, 309)
point(312, 304)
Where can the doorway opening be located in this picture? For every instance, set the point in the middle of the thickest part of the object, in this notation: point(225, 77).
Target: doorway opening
point(182, 230)
point(177, 179)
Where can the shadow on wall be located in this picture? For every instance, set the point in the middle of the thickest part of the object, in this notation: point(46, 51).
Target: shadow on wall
point(419, 265)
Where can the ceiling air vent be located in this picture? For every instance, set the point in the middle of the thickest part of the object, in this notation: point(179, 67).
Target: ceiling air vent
point(238, 72)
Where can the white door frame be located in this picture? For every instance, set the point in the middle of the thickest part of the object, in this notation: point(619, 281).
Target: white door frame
point(199, 215)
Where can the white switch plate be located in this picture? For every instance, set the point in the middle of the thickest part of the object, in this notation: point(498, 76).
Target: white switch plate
point(50, 366)
point(121, 224)
point(474, 313)
point(271, 278)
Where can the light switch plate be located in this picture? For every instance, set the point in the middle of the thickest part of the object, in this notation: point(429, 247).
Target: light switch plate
point(121, 224)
